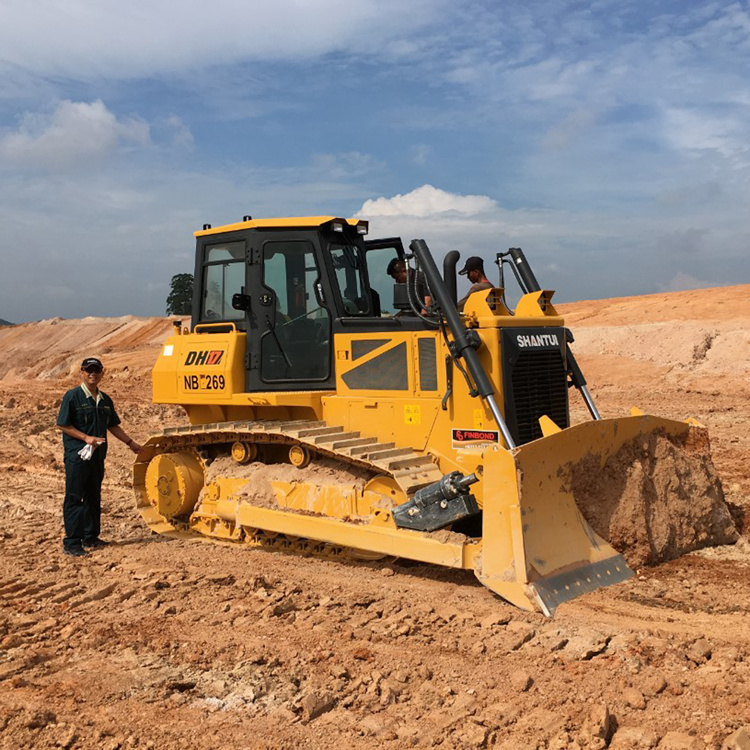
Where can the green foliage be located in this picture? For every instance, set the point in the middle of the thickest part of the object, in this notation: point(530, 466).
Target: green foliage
point(180, 299)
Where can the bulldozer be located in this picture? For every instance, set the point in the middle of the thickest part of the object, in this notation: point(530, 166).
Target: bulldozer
point(335, 413)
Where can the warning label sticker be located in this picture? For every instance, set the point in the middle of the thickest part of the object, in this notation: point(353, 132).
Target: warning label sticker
point(412, 414)
point(474, 438)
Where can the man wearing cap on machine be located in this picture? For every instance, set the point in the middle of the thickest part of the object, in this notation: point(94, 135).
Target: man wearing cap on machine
point(474, 271)
point(397, 271)
point(86, 414)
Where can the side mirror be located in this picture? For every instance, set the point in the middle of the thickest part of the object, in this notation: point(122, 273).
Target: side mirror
point(241, 301)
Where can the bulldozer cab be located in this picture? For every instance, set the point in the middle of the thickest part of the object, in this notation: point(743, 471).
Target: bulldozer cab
point(290, 288)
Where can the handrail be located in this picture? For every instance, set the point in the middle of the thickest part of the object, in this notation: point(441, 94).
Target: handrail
point(226, 327)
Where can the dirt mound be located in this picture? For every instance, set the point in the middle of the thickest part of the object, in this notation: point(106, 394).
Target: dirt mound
point(716, 304)
point(656, 499)
point(54, 348)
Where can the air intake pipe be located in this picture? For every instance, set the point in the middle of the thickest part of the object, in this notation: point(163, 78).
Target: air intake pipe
point(524, 274)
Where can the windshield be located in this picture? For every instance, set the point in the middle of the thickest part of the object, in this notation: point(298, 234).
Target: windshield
point(348, 263)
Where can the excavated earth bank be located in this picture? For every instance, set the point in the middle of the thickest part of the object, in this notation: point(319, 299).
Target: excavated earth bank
point(656, 498)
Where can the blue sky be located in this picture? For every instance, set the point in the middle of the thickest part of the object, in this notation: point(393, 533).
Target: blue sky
point(610, 140)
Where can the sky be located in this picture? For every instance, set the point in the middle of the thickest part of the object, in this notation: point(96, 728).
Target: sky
point(610, 140)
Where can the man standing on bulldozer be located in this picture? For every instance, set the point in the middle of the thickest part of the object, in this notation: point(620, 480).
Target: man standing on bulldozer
point(86, 414)
point(474, 271)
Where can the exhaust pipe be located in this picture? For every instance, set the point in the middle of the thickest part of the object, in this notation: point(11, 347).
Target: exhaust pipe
point(449, 274)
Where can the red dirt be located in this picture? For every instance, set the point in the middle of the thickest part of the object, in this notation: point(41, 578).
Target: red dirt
point(171, 644)
point(655, 499)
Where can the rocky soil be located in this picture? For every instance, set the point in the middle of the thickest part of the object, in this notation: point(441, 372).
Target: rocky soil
point(154, 643)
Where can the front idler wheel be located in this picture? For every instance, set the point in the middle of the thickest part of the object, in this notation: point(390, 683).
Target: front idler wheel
point(173, 483)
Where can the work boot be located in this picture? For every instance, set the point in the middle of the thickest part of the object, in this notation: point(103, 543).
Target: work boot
point(95, 544)
point(75, 551)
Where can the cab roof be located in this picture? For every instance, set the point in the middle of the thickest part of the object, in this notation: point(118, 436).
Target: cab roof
point(297, 222)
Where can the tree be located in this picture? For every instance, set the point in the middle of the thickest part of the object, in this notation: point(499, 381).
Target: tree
point(180, 299)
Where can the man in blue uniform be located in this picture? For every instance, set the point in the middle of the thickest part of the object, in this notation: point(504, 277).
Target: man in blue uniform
point(86, 415)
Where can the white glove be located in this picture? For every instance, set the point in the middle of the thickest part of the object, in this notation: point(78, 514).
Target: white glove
point(86, 452)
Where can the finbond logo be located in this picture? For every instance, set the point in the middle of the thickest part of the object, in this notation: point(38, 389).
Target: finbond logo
point(539, 339)
point(467, 436)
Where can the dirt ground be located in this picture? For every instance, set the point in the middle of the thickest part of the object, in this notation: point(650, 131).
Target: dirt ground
point(154, 643)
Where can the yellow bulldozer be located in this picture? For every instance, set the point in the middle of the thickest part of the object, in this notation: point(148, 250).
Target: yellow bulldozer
point(334, 412)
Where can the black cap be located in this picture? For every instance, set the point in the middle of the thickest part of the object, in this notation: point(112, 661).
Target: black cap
point(91, 362)
point(392, 266)
point(472, 264)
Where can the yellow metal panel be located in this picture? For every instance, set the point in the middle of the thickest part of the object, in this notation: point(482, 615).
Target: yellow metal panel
point(486, 303)
point(298, 222)
point(382, 539)
point(534, 535)
point(404, 416)
point(206, 374)
point(536, 543)
point(200, 368)
point(536, 305)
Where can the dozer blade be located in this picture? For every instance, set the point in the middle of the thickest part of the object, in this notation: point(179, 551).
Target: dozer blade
point(538, 549)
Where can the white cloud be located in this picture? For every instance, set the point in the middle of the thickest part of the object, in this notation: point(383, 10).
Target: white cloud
point(108, 38)
point(428, 201)
point(74, 133)
point(699, 130)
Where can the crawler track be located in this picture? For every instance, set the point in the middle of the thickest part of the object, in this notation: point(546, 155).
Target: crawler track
point(409, 469)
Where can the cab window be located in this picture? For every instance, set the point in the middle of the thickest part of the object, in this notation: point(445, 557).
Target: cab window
point(381, 283)
point(347, 261)
point(223, 276)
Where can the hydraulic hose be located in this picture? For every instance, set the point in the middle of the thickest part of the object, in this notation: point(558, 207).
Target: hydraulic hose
point(463, 345)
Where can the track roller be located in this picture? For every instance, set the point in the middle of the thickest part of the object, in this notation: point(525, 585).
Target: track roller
point(299, 456)
point(244, 453)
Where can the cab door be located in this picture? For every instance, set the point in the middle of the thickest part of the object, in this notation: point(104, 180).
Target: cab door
point(379, 254)
point(289, 320)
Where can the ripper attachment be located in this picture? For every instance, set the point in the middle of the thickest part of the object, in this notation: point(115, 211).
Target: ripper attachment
point(439, 504)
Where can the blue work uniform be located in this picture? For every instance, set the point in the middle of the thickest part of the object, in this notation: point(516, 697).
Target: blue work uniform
point(83, 479)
